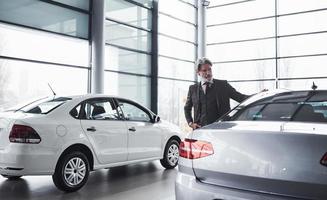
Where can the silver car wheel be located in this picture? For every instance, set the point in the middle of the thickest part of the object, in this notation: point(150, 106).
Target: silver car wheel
point(173, 154)
point(74, 171)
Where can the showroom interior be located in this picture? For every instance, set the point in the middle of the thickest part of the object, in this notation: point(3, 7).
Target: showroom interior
point(147, 50)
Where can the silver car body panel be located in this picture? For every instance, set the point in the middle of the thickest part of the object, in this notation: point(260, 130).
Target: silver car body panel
point(257, 160)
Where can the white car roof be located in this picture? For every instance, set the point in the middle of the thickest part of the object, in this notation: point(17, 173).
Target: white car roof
point(90, 96)
point(87, 96)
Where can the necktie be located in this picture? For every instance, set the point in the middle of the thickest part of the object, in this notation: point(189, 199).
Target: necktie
point(205, 86)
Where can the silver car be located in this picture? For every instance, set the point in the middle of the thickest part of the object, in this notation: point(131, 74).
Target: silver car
point(272, 146)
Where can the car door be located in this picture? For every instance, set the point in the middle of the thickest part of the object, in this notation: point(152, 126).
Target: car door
point(307, 138)
point(105, 129)
point(144, 137)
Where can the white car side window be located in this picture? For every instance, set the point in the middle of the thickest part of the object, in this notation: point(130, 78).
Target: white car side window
point(101, 110)
point(133, 113)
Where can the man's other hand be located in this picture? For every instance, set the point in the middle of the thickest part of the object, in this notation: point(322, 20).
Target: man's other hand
point(195, 126)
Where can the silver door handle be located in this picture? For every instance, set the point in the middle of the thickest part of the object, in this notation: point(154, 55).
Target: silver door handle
point(132, 129)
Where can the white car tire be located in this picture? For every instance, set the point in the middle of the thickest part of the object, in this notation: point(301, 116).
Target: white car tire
point(171, 154)
point(72, 172)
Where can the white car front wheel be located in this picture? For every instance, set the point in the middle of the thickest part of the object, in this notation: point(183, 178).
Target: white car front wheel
point(72, 172)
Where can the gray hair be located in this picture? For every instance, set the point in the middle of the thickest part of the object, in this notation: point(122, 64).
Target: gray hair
point(203, 61)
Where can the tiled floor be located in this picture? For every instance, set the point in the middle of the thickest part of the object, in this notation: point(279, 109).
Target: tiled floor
point(145, 181)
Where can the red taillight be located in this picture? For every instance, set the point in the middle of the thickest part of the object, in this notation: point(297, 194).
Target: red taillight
point(323, 160)
point(24, 134)
point(193, 149)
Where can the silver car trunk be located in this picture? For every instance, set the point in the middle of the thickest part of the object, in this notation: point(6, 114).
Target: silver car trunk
point(261, 157)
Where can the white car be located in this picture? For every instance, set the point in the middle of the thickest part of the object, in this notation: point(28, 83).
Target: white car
point(272, 146)
point(67, 137)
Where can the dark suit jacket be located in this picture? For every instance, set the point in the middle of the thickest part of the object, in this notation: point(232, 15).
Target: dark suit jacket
point(224, 91)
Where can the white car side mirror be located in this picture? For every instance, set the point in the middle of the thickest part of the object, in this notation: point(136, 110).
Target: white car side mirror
point(156, 119)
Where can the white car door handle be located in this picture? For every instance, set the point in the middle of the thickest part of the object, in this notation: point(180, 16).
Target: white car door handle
point(132, 129)
point(92, 129)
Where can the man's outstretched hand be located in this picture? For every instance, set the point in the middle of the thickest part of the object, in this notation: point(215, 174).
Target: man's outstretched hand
point(195, 126)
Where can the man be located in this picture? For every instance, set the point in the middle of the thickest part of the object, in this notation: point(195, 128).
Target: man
point(209, 98)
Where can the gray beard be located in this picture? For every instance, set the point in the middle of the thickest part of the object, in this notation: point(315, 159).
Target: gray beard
point(203, 80)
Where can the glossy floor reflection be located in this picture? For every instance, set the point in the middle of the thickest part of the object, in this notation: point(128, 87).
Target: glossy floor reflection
point(145, 181)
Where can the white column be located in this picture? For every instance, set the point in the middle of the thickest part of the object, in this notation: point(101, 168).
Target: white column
point(201, 33)
point(98, 44)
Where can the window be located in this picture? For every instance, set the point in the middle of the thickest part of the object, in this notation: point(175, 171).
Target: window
point(136, 88)
point(321, 96)
point(172, 99)
point(133, 112)
point(22, 81)
point(176, 48)
point(256, 49)
point(36, 45)
point(290, 34)
point(177, 54)
point(302, 106)
point(101, 109)
point(129, 13)
point(301, 84)
point(288, 6)
point(310, 22)
point(82, 4)
point(121, 60)
point(147, 3)
point(128, 36)
point(312, 112)
point(222, 2)
point(268, 112)
point(171, 68)
point(278, 107)
point(178, 9)
point(45, 107)
point(294, 67)
point(241, 31)
point(122, 35)
point(75, 111)
point(261, 69)
point(42, 15)
point(251, 113)
point(303, 45)
point(169, 26)
point(240, 11)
